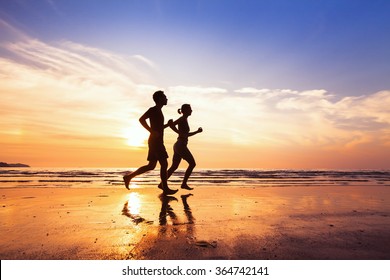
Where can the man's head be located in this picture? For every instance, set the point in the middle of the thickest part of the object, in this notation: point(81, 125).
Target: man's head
point(160, 98)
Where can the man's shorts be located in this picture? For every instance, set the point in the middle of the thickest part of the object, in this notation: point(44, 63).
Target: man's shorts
point(157, 150)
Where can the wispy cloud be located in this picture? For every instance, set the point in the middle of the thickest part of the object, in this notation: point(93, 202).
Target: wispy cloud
point(68, 92)
point(67, 88)
point(287, 117)
point(9, 32)
point(318, 118)
point(54, 6)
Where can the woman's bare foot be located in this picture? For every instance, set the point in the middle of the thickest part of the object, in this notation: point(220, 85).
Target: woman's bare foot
point(186, 187)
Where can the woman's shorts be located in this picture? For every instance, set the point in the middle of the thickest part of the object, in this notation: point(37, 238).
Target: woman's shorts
point(180, 148)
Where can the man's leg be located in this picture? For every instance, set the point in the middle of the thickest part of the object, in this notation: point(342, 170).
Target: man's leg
point(163, 173)
point(164, 177)
point(175, 164)
point(128, 177)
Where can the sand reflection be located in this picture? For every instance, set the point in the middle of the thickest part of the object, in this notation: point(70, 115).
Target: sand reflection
point(170, 223)
point(132, 207)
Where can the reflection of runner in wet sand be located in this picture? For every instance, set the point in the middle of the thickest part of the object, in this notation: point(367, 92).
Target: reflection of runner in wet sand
point(157, 150)
point(134, 217)
point(180, 148)
point(167, 210)
point(187, 209)
point(180, 229)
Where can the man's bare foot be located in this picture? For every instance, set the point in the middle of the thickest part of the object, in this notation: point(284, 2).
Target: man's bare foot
point(186, 187)
point(127, 178)
point(169, 191)
point(166, 198)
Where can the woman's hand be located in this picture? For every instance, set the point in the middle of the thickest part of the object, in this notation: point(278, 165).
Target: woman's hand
point(200, 129)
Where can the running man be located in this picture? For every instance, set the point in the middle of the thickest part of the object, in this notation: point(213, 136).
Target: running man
point(157, 151)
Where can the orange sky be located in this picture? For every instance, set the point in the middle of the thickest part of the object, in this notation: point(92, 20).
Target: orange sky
point(71, 105)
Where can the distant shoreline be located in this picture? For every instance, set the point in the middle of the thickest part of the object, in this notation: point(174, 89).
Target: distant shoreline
point(4, 164)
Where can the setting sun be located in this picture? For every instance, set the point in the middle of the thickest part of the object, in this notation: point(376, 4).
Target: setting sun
point(258, 92)
point(135, 135)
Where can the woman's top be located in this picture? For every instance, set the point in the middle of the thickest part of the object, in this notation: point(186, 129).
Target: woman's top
point(184, 129)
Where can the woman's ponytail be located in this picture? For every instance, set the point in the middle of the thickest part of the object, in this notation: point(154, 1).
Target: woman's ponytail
point(183, 108)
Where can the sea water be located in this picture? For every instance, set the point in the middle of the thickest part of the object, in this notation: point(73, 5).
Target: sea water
point(112, 177)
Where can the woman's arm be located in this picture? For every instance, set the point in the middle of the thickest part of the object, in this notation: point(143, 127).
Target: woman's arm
point(195, 132)
point(172, 124)
point(168, 124)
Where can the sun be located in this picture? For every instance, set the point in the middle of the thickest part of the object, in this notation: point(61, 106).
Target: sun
point(135, 135)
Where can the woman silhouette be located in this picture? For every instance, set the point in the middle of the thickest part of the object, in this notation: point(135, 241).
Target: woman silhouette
point(180, 148)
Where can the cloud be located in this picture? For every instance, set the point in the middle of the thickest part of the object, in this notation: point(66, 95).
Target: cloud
point(143, 59)
point(54, 6)
point(68, 88)
point(304, 101)
point(315, 117)
point(266, 91)
point(10, 33)
point(66, 91)
point(287, 117)
point(197, 90)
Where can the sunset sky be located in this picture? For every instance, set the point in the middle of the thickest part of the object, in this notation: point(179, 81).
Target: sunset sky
point(273, 83)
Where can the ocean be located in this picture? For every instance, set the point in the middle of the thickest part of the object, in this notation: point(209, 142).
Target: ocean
point(112, 177)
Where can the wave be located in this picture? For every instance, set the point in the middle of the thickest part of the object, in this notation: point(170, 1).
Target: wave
point(112, 177)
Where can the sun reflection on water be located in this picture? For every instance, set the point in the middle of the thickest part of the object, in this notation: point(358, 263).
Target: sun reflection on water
point(134, 203)
point(134, 185)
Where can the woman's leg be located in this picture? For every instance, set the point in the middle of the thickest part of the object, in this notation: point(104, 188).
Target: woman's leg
point(175, 164)
point(187, 156)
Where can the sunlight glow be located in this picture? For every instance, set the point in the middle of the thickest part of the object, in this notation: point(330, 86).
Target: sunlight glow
point(66, 104)
point(135, 135)
point(134, 203)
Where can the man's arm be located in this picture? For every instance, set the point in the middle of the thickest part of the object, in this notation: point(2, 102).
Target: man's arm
point(172, 124)
point(144, 123)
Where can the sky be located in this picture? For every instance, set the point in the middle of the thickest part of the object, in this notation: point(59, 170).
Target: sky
point(274, 84)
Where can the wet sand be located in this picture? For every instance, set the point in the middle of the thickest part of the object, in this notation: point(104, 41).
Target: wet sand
point(210, 222)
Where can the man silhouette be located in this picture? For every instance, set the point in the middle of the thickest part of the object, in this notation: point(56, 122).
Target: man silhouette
point(157, 151)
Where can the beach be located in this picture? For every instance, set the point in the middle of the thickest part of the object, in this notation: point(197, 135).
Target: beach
point(211, 222)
